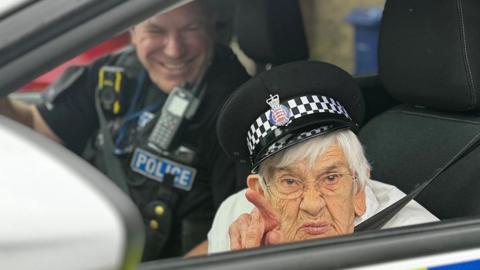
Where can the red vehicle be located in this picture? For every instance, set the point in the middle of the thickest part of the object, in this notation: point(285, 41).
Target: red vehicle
point(108, 46)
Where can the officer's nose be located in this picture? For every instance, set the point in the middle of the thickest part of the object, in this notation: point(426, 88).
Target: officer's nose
point(174, 46)
point(312, 202)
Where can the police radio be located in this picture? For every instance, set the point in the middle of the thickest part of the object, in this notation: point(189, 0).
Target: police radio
point(181, 105)
point(174, 113)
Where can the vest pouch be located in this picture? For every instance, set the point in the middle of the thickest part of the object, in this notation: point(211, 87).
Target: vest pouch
point(158, 224)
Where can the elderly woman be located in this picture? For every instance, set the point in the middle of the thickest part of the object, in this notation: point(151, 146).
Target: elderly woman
point(310, 178)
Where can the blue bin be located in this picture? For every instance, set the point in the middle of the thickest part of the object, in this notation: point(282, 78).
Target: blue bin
point(366, 22)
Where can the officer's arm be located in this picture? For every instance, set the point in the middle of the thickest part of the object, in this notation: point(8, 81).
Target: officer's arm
point(26, 114)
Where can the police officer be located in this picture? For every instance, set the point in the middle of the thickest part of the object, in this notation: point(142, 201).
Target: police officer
point(118, 112)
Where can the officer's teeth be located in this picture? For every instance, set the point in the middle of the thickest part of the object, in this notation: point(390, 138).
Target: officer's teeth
point(170, 66)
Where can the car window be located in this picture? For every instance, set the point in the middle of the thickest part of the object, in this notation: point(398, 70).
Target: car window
point(342, 33)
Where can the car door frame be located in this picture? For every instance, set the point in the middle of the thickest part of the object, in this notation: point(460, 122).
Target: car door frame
point(365, 249)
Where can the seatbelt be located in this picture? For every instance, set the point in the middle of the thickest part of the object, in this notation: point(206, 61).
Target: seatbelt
point(377, 221)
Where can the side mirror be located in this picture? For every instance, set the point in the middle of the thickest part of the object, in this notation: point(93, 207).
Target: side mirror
point(58, 212)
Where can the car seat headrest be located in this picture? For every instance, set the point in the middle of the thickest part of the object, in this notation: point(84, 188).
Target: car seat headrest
point(429, 53)
point(271, 31)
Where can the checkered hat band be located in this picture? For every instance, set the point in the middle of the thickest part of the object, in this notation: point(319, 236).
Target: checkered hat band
point(300, 137)
point(299, 107)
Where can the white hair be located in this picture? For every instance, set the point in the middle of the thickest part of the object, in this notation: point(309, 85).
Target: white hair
point(312, 149)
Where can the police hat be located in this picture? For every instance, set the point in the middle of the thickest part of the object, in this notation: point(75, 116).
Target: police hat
point(286, 105)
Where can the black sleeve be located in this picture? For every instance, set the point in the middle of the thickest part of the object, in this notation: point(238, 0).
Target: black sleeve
point(70, 113)
point(228, 178)
point(226, 75)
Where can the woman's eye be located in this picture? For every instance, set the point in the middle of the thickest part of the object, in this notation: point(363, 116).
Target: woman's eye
point(288, 182)
point(331, 178)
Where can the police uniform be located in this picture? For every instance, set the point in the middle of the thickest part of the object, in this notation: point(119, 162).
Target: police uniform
point(282, 107)
point(176, 217)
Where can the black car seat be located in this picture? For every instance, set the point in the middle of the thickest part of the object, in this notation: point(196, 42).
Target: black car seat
point(270, 32)
point(429, 60)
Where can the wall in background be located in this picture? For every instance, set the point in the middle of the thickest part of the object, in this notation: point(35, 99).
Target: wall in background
point(330, 37)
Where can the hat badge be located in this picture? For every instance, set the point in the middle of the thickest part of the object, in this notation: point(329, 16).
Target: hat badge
point(279, 114)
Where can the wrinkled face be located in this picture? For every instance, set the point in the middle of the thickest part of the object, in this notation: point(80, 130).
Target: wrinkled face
point(174, 46)
point(329, 202)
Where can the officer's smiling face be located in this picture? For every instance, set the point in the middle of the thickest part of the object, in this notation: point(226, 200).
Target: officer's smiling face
point(325, 209)
point(174, 47)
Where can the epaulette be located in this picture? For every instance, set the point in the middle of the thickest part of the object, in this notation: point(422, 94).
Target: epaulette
point(69, 76)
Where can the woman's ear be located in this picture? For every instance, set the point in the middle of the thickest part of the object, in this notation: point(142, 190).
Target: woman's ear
point(254, 182)
point(359, 202)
